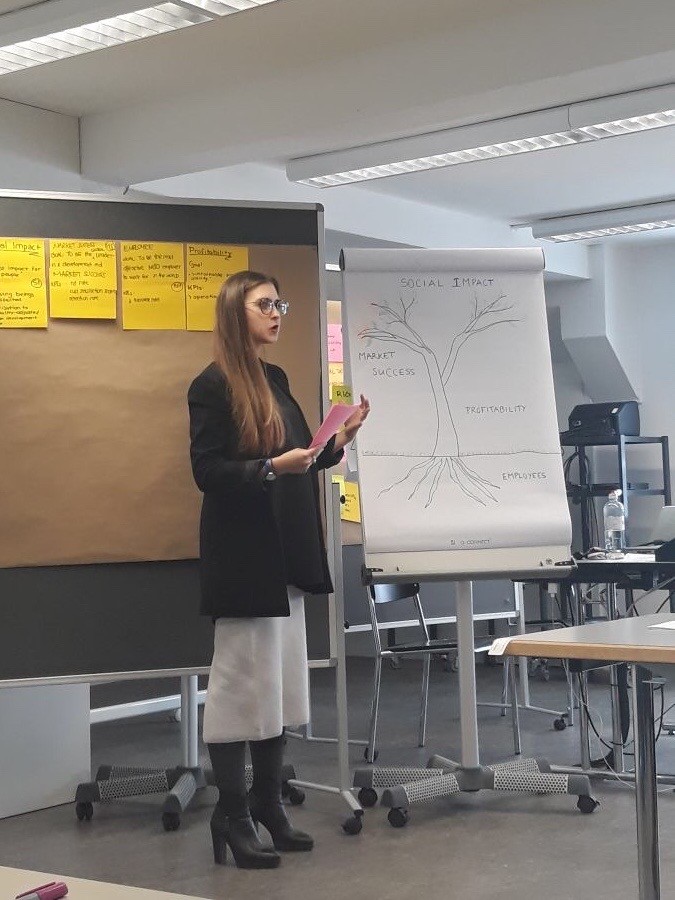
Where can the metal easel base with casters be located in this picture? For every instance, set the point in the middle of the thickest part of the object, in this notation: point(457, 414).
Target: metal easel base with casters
point(337, 661)
point(179, 783)
point(444, 777)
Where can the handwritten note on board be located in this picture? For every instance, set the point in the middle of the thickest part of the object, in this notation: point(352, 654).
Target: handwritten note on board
point(336, 374)
point(335, 343)
point(153, 286)
point(208, 265)
point(351, 508)
point(341, 393)
point(23, 291)
point(82, 280)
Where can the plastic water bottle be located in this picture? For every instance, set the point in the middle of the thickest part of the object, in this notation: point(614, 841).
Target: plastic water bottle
point(614, 518)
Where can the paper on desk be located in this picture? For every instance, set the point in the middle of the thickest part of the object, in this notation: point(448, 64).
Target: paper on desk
point(335, 419)
point(499, 646)
point(670, 626)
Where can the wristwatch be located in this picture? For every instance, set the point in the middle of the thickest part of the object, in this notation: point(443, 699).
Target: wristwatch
point(268, 472)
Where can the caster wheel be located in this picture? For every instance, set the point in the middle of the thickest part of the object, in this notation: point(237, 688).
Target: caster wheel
point(587, 804)
point(352, 825)
point(559, 724)
point(84, 811)
point(375, 754)
point(170, 821)
point(296, 796)
point(367, 797)
point(397, 817)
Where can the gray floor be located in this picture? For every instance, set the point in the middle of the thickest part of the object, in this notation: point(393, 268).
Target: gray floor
point(474, 846)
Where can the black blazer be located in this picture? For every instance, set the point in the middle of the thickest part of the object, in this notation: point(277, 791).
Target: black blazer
point(242, 566)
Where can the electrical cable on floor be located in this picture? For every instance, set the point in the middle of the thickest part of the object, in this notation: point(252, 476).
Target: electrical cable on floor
point(584, 705)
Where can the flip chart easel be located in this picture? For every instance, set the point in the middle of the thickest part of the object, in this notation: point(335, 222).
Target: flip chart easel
point(459, 469)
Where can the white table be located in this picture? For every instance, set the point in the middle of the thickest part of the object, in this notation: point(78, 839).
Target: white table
point(16, 881)
point(637, 642)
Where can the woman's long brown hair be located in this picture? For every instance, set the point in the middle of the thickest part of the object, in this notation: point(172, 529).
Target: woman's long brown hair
point(255, 411)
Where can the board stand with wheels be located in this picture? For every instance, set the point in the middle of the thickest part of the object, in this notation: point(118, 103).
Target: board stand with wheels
point(179, 783)
point(337, 661)
point(405, 786)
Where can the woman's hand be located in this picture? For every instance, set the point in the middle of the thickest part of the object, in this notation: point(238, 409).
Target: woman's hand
point(295, 462)
point(353, 423)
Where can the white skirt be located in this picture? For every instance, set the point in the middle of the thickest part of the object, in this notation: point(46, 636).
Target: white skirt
point(258, 681)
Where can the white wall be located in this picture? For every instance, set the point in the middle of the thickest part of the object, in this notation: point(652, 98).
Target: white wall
point(349, 209)
point(40, 151)
point(567, 381)
point(643, 276)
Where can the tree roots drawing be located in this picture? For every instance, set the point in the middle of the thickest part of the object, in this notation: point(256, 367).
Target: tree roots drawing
point(425, 478)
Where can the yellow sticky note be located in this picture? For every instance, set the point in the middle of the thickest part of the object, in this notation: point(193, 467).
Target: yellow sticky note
point(341, 393)
point(208, 265)
point(153, 285)
point(82, 280)
point(339, 479)
point(351, 508)
point(336, 374)
point(23, 291)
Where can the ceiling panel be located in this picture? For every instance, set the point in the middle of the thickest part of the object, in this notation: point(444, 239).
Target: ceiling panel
point(618, 171)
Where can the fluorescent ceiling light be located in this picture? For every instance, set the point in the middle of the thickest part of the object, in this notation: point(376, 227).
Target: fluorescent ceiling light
point(120, 29)
point(542, 130)
point(629, 220)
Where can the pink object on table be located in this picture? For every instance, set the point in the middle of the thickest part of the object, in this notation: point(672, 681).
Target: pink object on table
point(52, 891)
point(336, 417)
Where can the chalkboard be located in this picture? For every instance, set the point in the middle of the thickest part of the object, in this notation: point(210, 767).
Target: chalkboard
point(117, 616)
point(459, 468)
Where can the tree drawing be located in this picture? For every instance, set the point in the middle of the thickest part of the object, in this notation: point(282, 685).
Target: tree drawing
point(445, 458)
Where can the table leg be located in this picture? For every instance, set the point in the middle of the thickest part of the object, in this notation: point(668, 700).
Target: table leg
point(645, 785)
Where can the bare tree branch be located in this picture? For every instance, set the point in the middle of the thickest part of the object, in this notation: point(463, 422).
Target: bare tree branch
point(455, 349)
point(390, 337)
point(473, 328)
point(402, 319)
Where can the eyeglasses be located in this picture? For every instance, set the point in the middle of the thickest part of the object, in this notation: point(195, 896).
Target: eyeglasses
point(266, 305)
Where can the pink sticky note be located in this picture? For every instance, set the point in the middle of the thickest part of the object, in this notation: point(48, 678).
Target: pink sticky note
point(335, 419)
point(335, 343)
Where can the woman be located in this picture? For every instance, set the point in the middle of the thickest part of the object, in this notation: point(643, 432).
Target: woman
point(262, 549)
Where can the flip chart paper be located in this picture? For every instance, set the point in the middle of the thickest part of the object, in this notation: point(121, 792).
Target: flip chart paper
point(208, 265)
point(153, 286)
point(335, 343)
point(461, 451)
point(336, 417)
point(23, 291)
point(82, 280)
point(499, 646)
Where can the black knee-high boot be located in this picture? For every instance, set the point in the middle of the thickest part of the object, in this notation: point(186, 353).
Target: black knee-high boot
point(265, 797)
point(231, 822)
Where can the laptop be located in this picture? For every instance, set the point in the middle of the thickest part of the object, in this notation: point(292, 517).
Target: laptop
point(663, 530)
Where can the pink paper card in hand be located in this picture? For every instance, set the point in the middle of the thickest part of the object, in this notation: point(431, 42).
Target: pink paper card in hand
point(336, 417)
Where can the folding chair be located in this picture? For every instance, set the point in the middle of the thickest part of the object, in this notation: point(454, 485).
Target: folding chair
point(379, 594)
